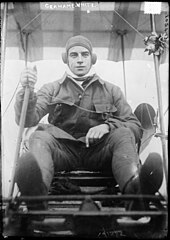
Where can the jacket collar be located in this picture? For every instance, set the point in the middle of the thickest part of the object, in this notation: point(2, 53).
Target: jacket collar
point(95, 78)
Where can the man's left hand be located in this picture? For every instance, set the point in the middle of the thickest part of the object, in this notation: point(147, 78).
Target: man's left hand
point(96, 133)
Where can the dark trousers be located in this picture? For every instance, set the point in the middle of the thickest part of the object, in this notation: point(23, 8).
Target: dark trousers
point(115, 153)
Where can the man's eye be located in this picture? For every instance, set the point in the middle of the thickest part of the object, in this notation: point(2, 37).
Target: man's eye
point(73, 55)
point(85, 54)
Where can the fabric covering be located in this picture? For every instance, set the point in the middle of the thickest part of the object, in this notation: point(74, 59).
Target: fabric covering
point(104, 24)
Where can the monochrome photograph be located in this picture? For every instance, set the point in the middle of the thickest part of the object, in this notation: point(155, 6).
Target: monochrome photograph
point(84, 119)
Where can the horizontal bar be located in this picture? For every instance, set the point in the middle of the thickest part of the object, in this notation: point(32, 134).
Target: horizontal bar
point(84, 178)
point(51, 31)
point(83, 173)
point(83, 197)
point(93, 213)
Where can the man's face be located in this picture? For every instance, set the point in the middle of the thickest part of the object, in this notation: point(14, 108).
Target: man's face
point(79, 60)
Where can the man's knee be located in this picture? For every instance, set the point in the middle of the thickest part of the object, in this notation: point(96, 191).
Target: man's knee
point(122, 131)
point(27, 172)
point(119, 134)
point(41, 138)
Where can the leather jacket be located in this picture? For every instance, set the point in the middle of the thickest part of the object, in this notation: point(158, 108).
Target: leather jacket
point(75, 110)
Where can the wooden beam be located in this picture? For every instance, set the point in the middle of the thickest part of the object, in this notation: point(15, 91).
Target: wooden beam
point(77, 19)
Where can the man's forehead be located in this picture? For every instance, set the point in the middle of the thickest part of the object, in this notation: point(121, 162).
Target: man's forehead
point(78, 49)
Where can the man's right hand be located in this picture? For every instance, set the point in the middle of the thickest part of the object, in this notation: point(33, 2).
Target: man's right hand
point(29, 77)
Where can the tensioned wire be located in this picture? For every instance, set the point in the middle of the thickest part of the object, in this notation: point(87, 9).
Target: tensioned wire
point(140, 34)
point(46, 19)
point(99, 11)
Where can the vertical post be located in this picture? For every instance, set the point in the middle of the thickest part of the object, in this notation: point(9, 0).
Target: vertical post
point(77, 18)
point(3, 46)
point(121, 34)
point(123, 57)
point(21, 124)
point(160, 105)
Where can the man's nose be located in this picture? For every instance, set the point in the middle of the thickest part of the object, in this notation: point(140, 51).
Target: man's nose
point(80, 59)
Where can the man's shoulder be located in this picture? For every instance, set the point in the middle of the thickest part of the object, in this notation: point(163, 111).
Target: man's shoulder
point(53, 84)
point(108, 84)
point(50, 88)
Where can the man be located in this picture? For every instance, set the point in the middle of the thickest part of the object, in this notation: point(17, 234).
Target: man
point(91, 127)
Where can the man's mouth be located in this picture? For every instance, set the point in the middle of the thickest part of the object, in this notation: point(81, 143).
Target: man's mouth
point(80, 67)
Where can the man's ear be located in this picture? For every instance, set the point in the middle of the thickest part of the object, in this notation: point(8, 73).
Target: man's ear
point(64, 57)
point(94, 58)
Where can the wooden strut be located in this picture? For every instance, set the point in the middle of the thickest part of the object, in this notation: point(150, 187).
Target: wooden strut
point(3, 46)
point(21, 125)
point(93, 213)
point(81, 197)
point(160, 106)
point(121, 33)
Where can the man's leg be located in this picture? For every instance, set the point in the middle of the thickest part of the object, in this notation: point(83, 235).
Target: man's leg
point(125, 160)
point(117, 152)
point(35, 169)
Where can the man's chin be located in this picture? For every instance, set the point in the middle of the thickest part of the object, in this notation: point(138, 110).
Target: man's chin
point(80, 74)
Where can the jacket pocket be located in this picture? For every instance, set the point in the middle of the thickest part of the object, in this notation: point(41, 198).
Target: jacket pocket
point(103, 111)
point(104, 107)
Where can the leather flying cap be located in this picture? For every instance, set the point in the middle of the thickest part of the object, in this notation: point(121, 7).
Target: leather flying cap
point(79, 40)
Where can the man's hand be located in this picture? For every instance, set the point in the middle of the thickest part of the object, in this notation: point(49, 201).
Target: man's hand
point(96, 133)
point(29, 77)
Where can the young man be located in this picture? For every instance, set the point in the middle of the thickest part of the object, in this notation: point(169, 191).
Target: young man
point(91, 127)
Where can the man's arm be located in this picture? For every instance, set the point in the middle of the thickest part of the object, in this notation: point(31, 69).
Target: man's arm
point(38, 102)
point(124, 115)
point(37, 106)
